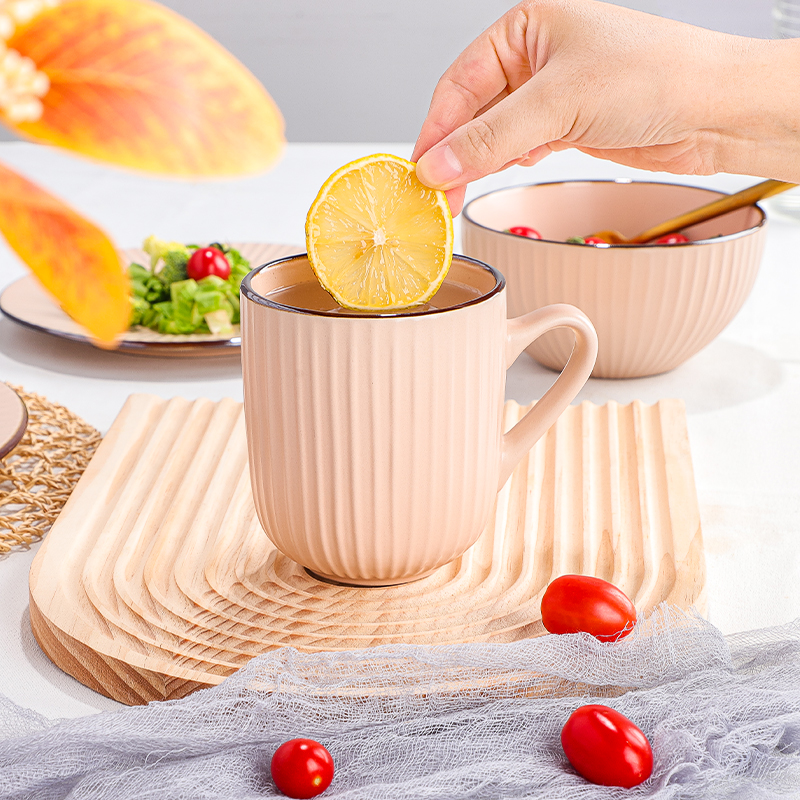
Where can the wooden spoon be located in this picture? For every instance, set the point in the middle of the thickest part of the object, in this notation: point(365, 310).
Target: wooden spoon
point(713, 209)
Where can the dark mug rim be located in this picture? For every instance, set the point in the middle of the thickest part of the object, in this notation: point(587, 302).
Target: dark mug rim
point(251, 294)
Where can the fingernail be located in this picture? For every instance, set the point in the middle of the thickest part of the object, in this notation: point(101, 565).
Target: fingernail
point(439, 167)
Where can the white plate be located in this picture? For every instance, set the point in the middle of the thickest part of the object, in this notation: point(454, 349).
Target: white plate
point(13, 419)
point(28, 304)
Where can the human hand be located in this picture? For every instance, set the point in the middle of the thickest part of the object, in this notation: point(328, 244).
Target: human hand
point(618, 84)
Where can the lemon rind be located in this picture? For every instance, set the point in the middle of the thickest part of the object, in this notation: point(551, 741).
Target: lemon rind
point(316, 262)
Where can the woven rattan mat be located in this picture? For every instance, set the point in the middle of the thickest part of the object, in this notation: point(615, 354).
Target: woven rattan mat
point(38, 475)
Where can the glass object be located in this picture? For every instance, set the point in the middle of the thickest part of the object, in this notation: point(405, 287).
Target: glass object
point(786, 21)
point(786, 16)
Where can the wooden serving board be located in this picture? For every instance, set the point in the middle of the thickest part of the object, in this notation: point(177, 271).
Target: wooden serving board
point(157, 579)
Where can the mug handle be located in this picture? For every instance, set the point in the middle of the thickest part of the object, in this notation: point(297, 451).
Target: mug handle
point(521, 332)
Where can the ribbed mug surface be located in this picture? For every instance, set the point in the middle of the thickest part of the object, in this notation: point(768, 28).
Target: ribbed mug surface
point(375, 442)
point(653, 306)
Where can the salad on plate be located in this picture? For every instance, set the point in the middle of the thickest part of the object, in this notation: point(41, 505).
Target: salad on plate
point(187, 288)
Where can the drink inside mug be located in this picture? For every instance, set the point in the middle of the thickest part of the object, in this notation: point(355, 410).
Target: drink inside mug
point(293, 284)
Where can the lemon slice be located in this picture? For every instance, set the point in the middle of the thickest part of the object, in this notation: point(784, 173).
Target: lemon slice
point(377, 238)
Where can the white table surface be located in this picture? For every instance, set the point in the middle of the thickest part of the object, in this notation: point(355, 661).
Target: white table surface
point(742, 392)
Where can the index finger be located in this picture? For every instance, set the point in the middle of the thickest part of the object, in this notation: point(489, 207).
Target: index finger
point(475, 80)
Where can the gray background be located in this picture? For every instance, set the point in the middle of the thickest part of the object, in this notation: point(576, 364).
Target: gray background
point(364, 70)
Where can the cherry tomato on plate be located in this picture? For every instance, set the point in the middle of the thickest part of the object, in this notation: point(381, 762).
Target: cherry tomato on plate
point(207, 261)
point(302, 768)
point(606, 748)
point(573, 603)
point(672, 238)
point(594, 240)
point(524, 230)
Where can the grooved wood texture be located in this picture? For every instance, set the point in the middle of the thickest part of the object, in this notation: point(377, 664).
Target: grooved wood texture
point(157, 579)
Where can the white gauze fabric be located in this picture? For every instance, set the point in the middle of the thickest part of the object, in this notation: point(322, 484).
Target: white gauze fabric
point(455, 721)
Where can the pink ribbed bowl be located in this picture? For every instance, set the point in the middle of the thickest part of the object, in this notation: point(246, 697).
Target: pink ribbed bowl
point(653, 306)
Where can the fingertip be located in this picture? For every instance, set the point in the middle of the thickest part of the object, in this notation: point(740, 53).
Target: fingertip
point(439, 168)
point(419, 148)
point(455, 199)
point(533, 157)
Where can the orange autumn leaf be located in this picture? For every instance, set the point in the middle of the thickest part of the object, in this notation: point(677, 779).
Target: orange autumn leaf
point(72, 257)
point(135, 84)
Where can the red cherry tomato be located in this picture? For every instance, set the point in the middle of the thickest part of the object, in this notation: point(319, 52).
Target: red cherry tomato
point(594, 240)
point(208, 261)
point(605, 747)
point(574, 603)
point(524, 230)
point(672, 238)
point(302, 768)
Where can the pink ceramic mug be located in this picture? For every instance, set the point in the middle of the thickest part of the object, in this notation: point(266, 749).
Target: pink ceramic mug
point(375, 441)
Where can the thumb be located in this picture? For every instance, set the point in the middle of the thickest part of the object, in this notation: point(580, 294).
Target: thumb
point(528, 118)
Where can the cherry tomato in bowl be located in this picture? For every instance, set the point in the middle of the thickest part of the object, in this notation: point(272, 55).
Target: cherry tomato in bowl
point(574, 603)
point(207, 261)
point(672, 238)
point(606, 748)
point(524, 230)
point(302, 768)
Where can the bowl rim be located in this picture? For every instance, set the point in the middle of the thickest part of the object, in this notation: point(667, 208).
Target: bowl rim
point(722, 238)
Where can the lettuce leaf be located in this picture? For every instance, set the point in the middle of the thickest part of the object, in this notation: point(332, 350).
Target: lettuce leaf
point(164, 299)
